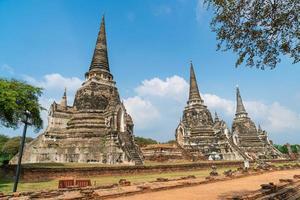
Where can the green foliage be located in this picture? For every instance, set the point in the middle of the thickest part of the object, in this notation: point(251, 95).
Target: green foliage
point(295, 148)
point(144, 141)
point(260, 32)
point(171, 142)
point(11, 147)
point(15, 98)
point(3, 156)
point(282, 148)
point(3, 140)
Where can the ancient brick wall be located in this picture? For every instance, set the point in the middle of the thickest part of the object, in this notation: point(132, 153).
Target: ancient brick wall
point(40, 174)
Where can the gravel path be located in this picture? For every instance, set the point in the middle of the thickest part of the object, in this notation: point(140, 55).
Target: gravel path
point(216, 190)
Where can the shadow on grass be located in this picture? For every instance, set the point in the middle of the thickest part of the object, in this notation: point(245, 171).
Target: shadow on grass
point(5, 184)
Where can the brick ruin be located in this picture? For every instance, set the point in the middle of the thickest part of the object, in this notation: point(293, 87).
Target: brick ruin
point(96, 129)
point(208, 138)
point(163, 152)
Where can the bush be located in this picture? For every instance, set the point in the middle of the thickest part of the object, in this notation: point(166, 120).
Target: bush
point(295, 148)
point(9, 147)
point(282, 148)
point(3, 140)
point(141, 141)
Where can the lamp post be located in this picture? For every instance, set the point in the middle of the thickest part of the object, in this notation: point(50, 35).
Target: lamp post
point(26, 123)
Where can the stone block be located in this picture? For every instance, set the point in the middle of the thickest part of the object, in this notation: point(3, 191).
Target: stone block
point(162, 179)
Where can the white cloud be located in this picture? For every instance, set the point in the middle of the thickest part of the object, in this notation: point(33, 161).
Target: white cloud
point(274, 117)
point(169, 96)
point(53, 85)
point(174, 87)
point(55, 81)
point(216, 103)
point(158, 105)
point(45, 102)
point(142, 111)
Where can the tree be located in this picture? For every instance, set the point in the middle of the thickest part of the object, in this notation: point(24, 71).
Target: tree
point(11, 147)
point(282, 148)
point(3, 140)
point(15, 98)
point(295, 148)
point(144, 141)
point(259, 31)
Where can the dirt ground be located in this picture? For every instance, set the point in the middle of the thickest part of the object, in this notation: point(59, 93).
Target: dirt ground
point(216, 190)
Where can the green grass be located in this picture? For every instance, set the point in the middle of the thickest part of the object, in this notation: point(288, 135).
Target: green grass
point(285, 163)
point(7, 185)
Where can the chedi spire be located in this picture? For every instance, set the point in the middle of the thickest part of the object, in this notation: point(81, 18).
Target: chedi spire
point(63, 101)
point(240, 109)
point(100, 57)
point(194, 94)
point(216, 117)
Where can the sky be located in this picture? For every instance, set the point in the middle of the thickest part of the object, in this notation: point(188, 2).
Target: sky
point(150, 45)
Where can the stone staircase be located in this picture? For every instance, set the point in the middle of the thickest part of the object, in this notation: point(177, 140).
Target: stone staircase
point(237, 149)
point(187, 154)
point(130, 148)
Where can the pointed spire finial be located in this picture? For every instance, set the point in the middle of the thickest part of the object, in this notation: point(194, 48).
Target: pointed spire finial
point(259, 128)
point(100, 57)
point(63, 101)
point(65, 92)
point(216, 117)
point(194, 91)
point(240, 109)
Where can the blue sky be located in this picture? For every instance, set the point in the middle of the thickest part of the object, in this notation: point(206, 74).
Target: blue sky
point(151, 42)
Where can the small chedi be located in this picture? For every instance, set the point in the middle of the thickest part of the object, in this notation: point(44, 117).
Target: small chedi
point(201, 136)
point(254, 142)
point(96, 128)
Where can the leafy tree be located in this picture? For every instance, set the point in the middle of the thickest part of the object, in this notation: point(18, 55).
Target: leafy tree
point(141, 141)
point(11, 147)
point(3, 140)
point(295, 148)
point(282, 148)
point(259, 31)
point(15, 98)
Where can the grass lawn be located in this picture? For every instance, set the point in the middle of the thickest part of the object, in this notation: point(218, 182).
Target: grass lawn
point(285, 163)
point(7, 185)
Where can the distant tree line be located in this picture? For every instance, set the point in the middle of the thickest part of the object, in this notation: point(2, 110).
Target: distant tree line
point(141, 141)
point(9, 147)
point(283, 148)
